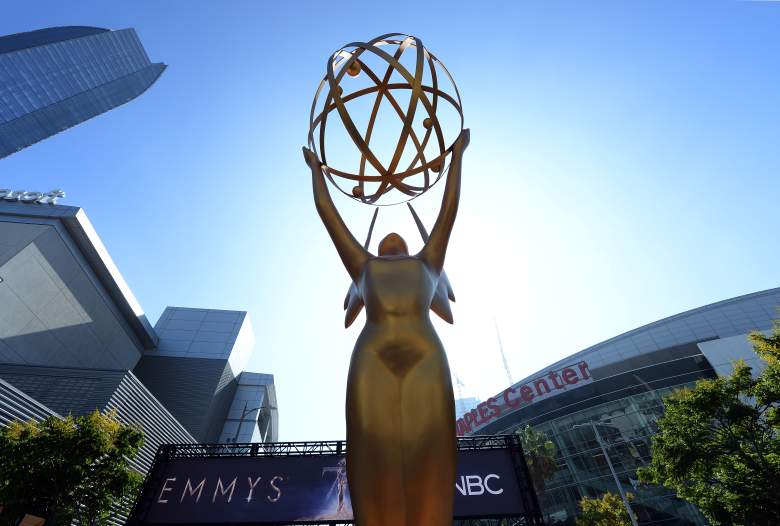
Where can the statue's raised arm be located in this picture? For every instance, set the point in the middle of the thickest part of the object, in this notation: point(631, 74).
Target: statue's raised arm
point(435, 249)
point(352, 254)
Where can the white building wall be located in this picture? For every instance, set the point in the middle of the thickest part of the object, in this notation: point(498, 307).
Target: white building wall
point(722, 354)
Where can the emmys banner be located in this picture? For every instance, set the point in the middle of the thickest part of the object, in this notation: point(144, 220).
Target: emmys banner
point(290, 489)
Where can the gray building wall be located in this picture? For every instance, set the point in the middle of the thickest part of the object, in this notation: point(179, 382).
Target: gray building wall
point(53, 309)
point(81, 391)
point(197, 391)
point(15, 405)
point(194, 370)
point(63, 389)
point(205, 333)
point(134, 404)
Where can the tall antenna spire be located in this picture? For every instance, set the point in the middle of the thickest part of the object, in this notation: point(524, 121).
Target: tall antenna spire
point(458, 385)
point(501, 350)
point(460, 406)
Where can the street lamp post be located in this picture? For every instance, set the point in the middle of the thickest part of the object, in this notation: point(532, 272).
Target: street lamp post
point(611, 469)
point(241, 420)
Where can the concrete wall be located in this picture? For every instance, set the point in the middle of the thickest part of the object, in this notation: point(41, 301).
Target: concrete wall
point(193, 371)
point(53, 309)
point(197, 391)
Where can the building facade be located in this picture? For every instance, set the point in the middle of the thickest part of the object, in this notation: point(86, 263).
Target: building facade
point(197, 371)
point(253, 415)
point(616, 389)
point(74, 339)
point(55, 78)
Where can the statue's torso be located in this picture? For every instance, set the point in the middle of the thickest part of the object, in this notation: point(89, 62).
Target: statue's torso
point(397, 288)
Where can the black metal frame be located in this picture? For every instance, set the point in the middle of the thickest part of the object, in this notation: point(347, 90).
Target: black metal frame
point(167, 452)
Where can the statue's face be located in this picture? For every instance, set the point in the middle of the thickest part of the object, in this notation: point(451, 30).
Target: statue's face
point(393, 245)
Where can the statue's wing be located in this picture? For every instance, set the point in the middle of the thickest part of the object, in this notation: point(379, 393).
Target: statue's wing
point(441, 303)
point(353, 302)
point(444, 294)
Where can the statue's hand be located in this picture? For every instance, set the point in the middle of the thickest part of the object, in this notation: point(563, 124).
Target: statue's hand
point(461, 142)
point(311, 158)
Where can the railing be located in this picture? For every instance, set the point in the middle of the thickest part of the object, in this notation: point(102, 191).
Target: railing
point(319, 448)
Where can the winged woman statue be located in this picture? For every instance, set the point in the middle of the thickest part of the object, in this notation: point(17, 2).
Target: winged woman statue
point(401, 442)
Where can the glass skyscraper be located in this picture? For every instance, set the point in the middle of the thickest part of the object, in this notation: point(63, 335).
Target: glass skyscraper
point(54, 78)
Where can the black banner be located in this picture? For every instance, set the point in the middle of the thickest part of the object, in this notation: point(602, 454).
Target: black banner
point(310, 489)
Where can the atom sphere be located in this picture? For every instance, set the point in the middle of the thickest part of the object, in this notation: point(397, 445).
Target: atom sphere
point(418, 159)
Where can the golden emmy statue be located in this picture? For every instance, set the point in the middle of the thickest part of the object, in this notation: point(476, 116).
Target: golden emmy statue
point(401, 441)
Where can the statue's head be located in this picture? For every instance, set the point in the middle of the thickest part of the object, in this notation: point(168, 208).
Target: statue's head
point(393, 245)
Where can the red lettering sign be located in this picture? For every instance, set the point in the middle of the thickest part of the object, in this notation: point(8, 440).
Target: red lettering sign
point(492, 405)
point(570, 376)
point(484, 412)
point(462, 427)
point(514, 397)
point(510, 402)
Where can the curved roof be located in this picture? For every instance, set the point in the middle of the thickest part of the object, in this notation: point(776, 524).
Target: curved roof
point(722, 319)
point(656, 343)
point(41, 37)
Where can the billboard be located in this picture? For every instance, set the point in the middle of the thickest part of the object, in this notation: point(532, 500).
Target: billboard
point(310, 488)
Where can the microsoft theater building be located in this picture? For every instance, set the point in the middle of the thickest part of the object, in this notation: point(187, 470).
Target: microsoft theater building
point(617, 387)
point(74, 339)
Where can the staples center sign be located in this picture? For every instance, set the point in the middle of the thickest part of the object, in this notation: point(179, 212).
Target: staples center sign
point(519, 395)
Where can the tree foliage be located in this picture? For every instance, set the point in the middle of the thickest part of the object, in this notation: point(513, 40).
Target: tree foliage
point(539, 455)
point(66, 468)
point(608, 510)
point(719, 443)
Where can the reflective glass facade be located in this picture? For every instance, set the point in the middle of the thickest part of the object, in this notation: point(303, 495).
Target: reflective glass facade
point(55, 78)
point(625, 427)
point(625, 408)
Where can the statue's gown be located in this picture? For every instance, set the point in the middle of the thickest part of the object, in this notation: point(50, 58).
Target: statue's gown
point(401, 445)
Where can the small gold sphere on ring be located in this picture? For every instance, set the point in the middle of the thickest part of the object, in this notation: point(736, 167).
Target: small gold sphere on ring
point(357, 191)
point(436, 167)
point(354, 69)
point(428, 123)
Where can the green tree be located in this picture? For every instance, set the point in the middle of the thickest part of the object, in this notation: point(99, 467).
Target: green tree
point(719, 446)
point(608, 510)
point(539, 455)
point(67, 468)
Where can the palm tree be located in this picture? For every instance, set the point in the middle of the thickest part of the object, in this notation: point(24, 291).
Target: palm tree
point(539, 455)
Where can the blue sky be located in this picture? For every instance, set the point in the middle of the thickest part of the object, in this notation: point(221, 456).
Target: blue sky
point(623, 167)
